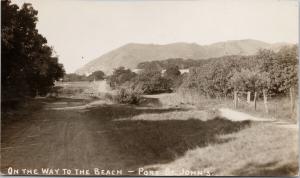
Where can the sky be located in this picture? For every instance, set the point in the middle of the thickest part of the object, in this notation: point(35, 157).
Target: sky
point(82, 30)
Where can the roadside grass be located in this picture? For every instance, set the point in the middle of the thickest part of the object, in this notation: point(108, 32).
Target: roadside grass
point(261, 150)
point(279, 108)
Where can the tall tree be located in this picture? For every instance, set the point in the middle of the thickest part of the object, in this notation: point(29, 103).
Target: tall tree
point(28, 65)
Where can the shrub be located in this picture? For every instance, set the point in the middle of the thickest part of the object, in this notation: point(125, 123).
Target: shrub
point(151, 82)
point(128, 96)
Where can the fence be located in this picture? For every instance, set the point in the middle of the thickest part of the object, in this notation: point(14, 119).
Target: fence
point(250, 99)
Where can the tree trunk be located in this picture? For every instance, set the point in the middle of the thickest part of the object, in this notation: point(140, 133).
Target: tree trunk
point(235, 99)
point(265, 101)
point(292, 101)
point(248, 96)
point(255, 96)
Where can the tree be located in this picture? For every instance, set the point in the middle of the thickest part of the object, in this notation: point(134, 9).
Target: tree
point(173, 74)
point(97, 75)
point(120, 76)
point(282, 68)
point(28, 65)
point(250, 80)
point(212, 79)
point(152, 82)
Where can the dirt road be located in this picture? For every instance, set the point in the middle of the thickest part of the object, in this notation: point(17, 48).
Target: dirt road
point(58, 139)
point(88, 137)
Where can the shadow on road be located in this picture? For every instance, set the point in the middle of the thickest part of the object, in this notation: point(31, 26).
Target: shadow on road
point(91, 139)
point(140, 143)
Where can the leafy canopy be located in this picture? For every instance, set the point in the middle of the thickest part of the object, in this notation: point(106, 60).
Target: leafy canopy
point(28, 64)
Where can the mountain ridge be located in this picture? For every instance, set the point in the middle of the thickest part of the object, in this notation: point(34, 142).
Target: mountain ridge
point(129, 55)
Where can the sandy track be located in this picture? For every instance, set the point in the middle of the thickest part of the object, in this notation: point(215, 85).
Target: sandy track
point(240, 116)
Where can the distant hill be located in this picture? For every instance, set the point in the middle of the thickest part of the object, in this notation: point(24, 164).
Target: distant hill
point(131, 54)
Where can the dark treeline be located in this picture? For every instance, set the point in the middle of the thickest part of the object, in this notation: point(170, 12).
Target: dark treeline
point(184, 63)
point(163, 64)
point(28, 65)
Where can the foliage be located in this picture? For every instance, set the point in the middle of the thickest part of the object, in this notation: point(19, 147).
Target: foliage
point(275, 72)
point(97, 75)
point(28, 65)
point(128, 96)
point(173, 74)
point(152, 82)
point(282, 68)
point(149, 81)
point(164, 64)
point(72, 77)
point(211, 79)
point(250, 80)
point(119, 77)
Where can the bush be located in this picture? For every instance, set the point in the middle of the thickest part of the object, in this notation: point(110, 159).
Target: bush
point(151, 82)
point(128, 96)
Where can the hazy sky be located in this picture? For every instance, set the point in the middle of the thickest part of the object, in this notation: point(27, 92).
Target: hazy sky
point(90, 28)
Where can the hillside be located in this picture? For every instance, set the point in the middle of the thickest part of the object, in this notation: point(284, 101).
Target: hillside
point(131, 54)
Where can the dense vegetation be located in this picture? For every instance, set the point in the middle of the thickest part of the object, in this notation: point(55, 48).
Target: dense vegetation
point(131, 86)
point(273, 72)
point(28, 65)
point(148, 81)
point(267, 70)
point(164, 64)
point(120, 76)
point(72, 77)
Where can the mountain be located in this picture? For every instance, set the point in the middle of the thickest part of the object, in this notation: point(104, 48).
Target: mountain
point(131, 54)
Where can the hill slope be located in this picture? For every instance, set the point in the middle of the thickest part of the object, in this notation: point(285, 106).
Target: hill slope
point(131, 54)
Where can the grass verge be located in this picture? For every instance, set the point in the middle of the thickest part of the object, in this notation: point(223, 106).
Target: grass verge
point(261, 150)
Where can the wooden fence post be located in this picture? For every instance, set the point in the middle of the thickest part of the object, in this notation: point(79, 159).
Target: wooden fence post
point(255, 95)
point(235, 99)
point(292, 102)
point(248, 96)
point(266, 101)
